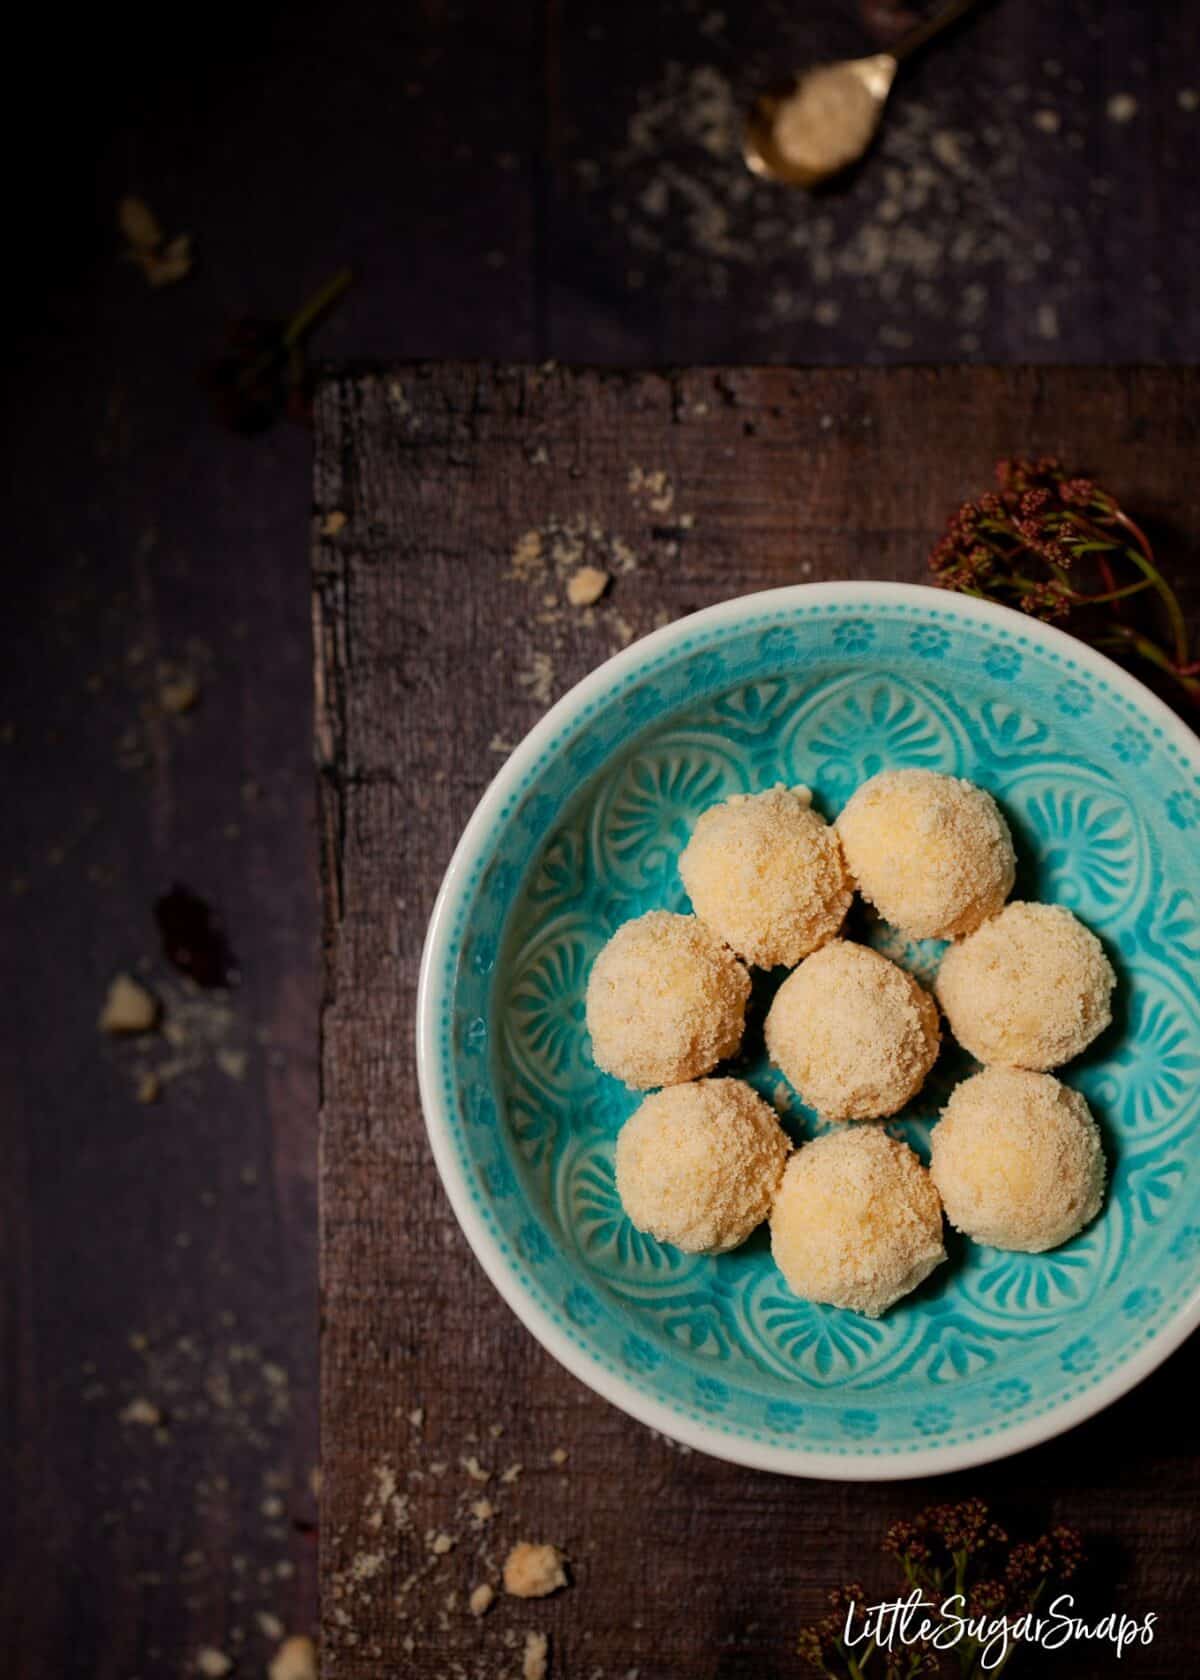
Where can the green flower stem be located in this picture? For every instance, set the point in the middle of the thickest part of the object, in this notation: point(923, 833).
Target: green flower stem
point(1116, 594)
point(1179, 632)
point(321, 302)
point(986, 1674)
point(1124, 637)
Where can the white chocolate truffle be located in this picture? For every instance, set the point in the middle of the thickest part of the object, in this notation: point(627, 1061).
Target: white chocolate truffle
point(698, 1165)
point(1017, 1160)
point(855, 1034)
point(1031, 988)
point(857, 1222)
point(766, 871)
point(665, 1001)
point(932, 853)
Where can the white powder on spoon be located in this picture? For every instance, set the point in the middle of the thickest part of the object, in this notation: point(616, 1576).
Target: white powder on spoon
point(828, 122)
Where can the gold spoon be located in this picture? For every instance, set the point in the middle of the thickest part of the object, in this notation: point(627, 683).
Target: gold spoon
point(824, 119)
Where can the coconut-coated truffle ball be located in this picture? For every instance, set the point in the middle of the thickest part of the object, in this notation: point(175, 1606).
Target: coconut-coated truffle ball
point(855, 1034)
point(1016, 1157)
point(665, 1001)
point(766, 871)
point(932, 853)
point(698, 1165)
point(857, 1222)
point(1031, 988)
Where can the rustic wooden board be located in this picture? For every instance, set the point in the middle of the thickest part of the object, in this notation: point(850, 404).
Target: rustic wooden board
point(432, 658)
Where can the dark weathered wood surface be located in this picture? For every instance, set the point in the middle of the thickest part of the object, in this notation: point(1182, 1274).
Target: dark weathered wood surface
point(431, 659)
point(511, 178)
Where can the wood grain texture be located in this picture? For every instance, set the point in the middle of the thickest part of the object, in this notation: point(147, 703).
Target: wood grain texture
point(160, 1252)
point(508, 180)
point(425, 643)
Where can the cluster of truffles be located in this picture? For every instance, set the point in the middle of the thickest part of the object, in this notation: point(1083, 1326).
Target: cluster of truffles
point(856, 1218)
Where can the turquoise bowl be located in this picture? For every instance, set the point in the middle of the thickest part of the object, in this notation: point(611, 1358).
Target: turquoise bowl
point(823, 684)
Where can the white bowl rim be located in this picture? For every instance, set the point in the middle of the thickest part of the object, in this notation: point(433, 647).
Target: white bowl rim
point(782, 1459)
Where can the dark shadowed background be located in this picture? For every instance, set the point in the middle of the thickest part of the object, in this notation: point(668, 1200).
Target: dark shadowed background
point(517, 182)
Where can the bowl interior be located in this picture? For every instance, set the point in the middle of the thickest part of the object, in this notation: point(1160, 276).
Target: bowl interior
point(1103, 797)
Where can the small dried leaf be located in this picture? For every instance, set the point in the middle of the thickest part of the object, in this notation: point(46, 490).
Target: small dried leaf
point(192, 938)
point(162, 264)
point(174, 264)
point(139, 224)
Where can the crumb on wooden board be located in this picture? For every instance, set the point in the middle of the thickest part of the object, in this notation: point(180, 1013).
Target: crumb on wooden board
point(533, 1569)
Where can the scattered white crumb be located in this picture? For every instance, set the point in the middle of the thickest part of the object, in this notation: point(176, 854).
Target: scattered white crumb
point(480, 1601)
point(333, 523)
point(533, 1659)
point(232, 1063)
point(141, 1411)
point(533, 1570)
point(1189, 99)
point(179, 694)
point(483, 1510)
point(269, 1625)
point(1122, 108)
point(947, 148)
point(417, 1417)
point(296, 1659)
point(1047, 120)
point(1047, 321)
point(899, 338)
point(476, 1471)
point(527, 554)
point(512, 1474)
point(128, 1007)
point(625, 557)
point(559, 1455)
point(441, 1544)
point(213, 1664)
point(585, 587)
point(149, 1087)
point(654, 486)
point(538, 677)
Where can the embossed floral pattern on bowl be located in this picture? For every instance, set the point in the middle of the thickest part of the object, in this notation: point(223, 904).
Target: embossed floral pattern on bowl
point(823, 685)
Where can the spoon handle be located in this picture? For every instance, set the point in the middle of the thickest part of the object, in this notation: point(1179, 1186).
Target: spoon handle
point(916, 38)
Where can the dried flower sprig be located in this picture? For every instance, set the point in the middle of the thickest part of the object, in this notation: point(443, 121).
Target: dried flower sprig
point(263, 373)
point(1055, 545)
point(946, 1550)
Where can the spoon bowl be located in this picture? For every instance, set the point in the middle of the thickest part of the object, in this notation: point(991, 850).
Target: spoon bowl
point(819, 123)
